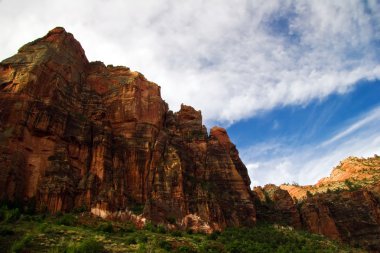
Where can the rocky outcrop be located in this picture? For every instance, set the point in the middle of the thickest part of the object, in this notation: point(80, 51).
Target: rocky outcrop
point(344, 206)
point(275, 205)
point(75, 133)
point(352, 217)
point(352, 173)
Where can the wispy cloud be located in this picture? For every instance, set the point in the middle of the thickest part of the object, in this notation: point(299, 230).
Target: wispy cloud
point(231, 59)
point(370, 117)
point(280, 162)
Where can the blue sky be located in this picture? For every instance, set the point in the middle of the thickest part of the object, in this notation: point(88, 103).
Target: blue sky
point(311, 123)
point(294, 82)
point(303, 143)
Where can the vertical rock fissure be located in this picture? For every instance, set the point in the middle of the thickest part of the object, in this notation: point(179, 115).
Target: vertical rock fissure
point(123, 145)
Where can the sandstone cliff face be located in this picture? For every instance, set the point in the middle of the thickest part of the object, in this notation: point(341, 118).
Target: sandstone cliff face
point(352, 217)
point(275, 205)
point(75, 133)
point(351, 173)
point(344, 206)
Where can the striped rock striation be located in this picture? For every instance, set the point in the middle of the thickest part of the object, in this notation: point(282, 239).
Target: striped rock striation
point(79, 134)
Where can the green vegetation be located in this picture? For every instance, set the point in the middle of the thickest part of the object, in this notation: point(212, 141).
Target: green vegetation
point(295, 183)
point(268, 199)
point(82, 233)
point(137, 209)
point(86, 246)
point(351, 186)
point(66, 219)
point(9, 215)
point(107, 227)
point(20, 245)
point(275, 239)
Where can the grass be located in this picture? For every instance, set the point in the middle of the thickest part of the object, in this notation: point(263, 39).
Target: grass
point(66, 219)
point(9, 215)
point(19, 245)
point(87, 246)
point(82, 233)
point(105, 227)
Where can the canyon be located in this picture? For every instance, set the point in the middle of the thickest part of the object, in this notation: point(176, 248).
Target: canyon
point(80, 135)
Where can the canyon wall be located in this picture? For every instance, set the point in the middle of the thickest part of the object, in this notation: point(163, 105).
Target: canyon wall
point(79, 134)
point(344, 206)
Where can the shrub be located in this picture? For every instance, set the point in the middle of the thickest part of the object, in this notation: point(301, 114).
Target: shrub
point(128, 228)
point(58, 214)
point(214, 235)
point(3, 210)
point(141, 238)
point(143, 248)
point(38, 218)
point(171, 220)
point(57, 249)
point(137, 209)
point(87, 246)
point(42, 227)
point(351, 186)
point(131, 240)
point(161, 229)
point(150, 227)
point(29, 207)
point(295, 183)
point(20, 245)
point(66, 219)
point(211, 247)
point(5, 231)
point(9, 215)
point(176, 233)
point(107, 227)
point(80, 209)
point(165, 245)
point(185, 249)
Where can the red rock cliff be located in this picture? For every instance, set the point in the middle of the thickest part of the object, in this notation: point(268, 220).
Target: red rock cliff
point(76, 133)
point(344, 206)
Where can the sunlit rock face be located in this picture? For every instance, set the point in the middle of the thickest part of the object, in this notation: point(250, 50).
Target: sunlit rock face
point(344, 206)
point(79, 134)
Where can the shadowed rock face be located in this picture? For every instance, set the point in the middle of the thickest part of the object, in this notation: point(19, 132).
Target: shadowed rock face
point(352, 217)
point(76, 133)
point(275, 205)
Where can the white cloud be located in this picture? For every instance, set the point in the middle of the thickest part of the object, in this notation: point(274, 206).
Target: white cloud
point(280, 162)
point(229, 59)
point(370, 117)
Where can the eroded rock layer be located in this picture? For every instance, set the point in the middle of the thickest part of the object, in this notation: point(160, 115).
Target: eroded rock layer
point(344, 206)
point(275, 205)
point(75, 134)
point(349, 216)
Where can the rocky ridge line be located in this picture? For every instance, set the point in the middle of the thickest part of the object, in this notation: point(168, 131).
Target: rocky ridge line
point(79, 134)
point(344, 206)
